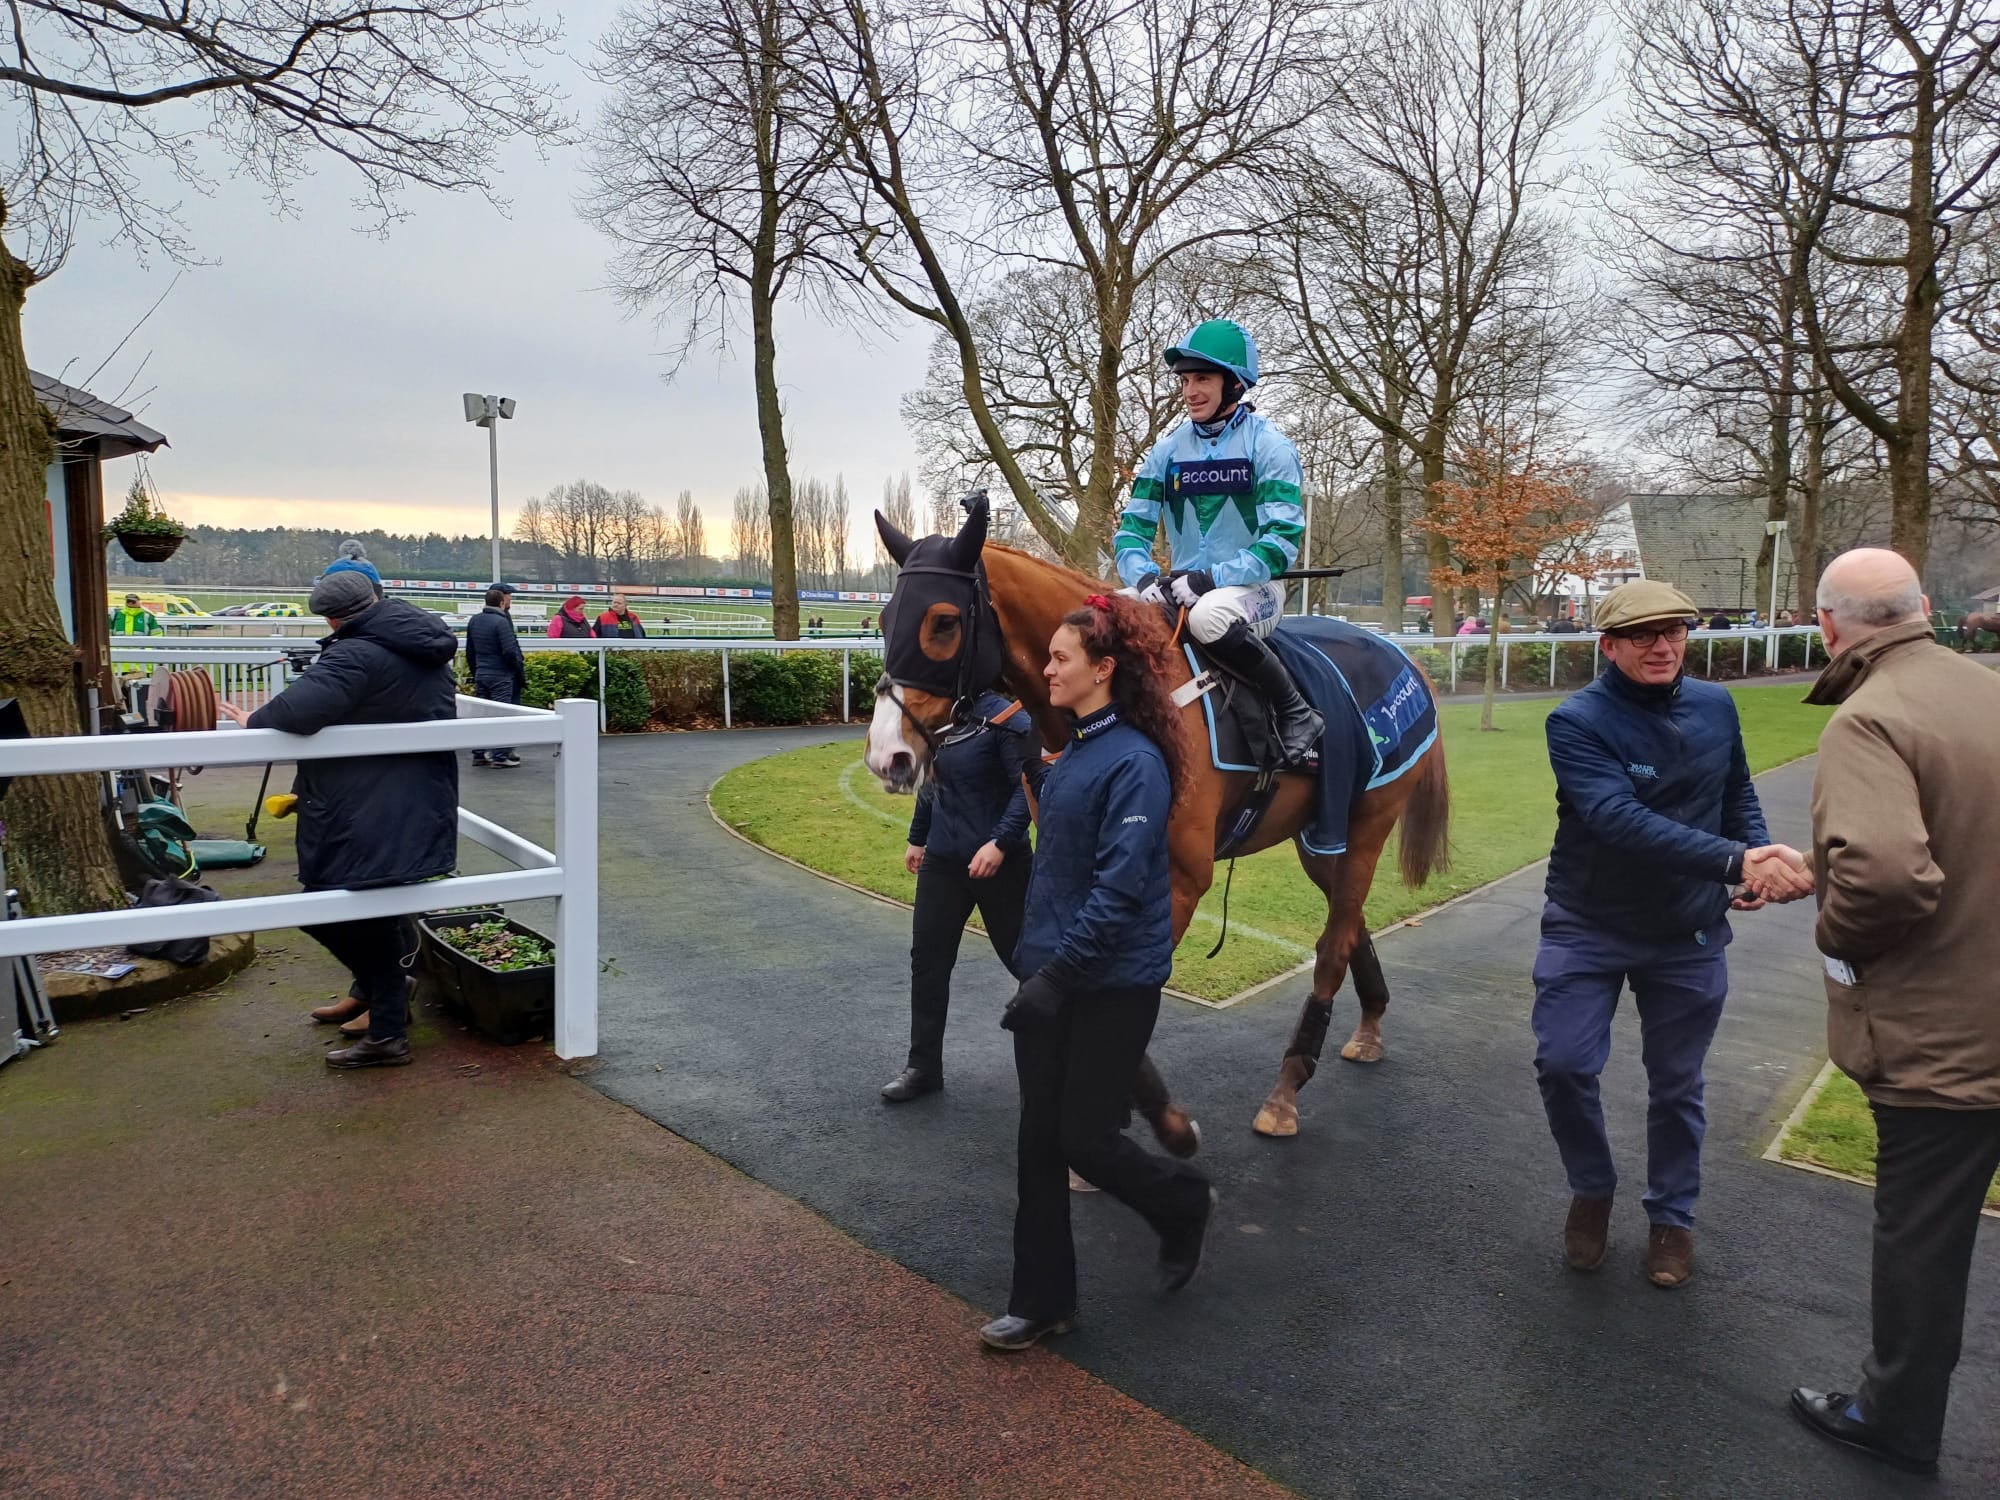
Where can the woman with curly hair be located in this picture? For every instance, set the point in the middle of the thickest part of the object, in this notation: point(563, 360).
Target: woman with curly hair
point(1096, 945)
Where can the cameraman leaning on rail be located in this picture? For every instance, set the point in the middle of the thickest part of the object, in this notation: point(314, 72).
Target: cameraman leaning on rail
point(371, 820)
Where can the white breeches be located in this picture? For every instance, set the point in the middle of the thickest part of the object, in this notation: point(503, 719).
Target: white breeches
point(1259, 605)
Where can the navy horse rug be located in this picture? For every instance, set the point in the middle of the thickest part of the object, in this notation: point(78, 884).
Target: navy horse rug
point(1379, 711)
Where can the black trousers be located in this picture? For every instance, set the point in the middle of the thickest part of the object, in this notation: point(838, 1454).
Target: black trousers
point(379, 952)
point(1076, 1079)
point(499, 690)
point(946, 895)
point(1932, 1170)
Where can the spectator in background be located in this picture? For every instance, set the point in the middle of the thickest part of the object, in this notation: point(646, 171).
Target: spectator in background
point(371, 820)
point(1562, 625)
point(353, 558)
point(1720, 621)
point(1471, 625)
point(619, 623)
point(1906, 816)
point(494, 661)
point(134, 620)
point(1786, 619)
point(568, 622)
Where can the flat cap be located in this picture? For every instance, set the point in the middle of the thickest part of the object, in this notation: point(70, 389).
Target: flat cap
point(338, 595)
point(1641, 601)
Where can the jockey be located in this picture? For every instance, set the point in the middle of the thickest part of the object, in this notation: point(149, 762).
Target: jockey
point(1227, 482)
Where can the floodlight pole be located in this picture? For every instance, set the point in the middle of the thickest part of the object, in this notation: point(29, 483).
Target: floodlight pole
point(493, 474)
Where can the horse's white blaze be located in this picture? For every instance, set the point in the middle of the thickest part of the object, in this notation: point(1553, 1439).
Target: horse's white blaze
point(893, 755)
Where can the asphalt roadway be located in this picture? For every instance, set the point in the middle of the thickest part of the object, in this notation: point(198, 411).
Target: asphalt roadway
point(1385, 1311)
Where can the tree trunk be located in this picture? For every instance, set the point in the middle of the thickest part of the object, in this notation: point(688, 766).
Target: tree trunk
point(58, 848)
point(1805, 531)
point(1392, 529)
point(1437, 549)
point(1090, 539)
point(1492, 659)
point(1778, 453)
point(777, 464)
point(1910, 452)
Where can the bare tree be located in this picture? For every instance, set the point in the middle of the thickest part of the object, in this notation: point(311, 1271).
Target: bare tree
point(690, 533)
point(108, 100)
point(712, 169)
point(1100, 141)
point(1419, 201)
point(1883, 117)
point(750, 533)
point(901, 511)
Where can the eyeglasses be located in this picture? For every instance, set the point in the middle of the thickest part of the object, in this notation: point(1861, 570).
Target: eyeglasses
point(1673, 634)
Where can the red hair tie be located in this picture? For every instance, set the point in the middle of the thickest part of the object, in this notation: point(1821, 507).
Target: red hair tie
point(1098, 601)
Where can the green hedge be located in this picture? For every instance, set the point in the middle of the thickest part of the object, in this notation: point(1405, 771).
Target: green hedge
point(558, 674)
point(628, 704)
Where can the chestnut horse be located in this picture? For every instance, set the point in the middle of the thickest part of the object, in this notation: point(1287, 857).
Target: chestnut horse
point(1969, 627)
point(999, 618)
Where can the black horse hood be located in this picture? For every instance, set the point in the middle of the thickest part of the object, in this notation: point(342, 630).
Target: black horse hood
point(940, 571)
point(418, 635)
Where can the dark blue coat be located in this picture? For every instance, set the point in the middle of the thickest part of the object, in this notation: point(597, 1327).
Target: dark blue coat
point(975, 793)
point(374, 819)
point(1101, 899)
point(493, 648)
point(1654, 805)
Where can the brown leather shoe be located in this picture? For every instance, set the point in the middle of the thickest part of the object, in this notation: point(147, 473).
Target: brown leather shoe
point(1669, 1254)
point(344, 1009)
point(1585, 1233)
point(356, 1025)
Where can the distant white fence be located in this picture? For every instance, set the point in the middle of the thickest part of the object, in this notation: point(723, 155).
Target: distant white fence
point(245, 669)
point(568, 873)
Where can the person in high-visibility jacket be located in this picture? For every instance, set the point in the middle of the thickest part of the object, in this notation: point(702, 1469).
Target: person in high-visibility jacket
point(133, 620)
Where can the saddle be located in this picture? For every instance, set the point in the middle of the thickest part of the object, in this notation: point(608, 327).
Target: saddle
point(1380, 717)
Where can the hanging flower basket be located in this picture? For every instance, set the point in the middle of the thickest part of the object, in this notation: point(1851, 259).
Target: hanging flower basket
point(149, 547)
point(146, 532)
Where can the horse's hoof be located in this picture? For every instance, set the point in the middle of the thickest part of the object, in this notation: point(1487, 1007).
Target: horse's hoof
point(1277, 1120)
point(1362, 1050)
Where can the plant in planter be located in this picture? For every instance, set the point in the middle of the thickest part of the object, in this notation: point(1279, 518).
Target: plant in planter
point(498, 974)
point(143, 529)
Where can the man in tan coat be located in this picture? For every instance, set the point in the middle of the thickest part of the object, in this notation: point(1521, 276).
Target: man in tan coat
point(1906, 846)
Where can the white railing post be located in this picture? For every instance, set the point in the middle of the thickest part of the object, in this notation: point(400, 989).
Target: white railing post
point(1554, 647)
point(576, 907)
point(603, 720)
point(1454, 664)
point(1503, 661)
point(726, 724)
point(846, 695)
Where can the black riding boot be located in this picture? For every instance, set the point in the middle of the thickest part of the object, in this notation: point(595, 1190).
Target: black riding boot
point(1299, 725)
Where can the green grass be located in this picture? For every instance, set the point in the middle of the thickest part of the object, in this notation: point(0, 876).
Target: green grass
point(1837, 1131)
point(821, 807)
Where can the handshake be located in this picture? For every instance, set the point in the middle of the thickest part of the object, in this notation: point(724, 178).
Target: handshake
point(1774, 872)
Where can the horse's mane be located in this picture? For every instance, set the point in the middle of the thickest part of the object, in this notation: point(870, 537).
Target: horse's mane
point(1082, 581)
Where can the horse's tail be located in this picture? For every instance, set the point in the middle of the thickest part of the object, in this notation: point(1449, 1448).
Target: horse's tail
point(1425, 844)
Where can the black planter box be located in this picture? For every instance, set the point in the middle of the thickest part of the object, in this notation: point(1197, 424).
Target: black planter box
point(505, 1005)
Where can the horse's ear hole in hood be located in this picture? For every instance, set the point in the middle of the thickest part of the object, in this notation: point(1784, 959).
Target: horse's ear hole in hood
point(893, 541)
point(971, 538)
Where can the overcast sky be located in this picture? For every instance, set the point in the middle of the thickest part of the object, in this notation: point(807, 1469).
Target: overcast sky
point(311, 375)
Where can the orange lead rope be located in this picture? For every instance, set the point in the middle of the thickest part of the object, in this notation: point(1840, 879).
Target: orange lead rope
point(1179, 625)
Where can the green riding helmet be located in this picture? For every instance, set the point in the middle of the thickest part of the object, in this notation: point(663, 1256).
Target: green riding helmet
point(1219, 344)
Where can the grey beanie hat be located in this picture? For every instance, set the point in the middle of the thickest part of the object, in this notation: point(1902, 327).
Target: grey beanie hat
point(352, 548)
point(339, 595)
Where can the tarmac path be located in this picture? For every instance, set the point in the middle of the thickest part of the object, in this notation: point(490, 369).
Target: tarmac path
point(1385, 1312)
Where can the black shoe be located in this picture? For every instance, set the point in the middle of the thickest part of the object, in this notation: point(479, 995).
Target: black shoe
point(508, 760)
point(481, 762)
point(1299, 724)
point(391, 1052)
point(1829, 1414)
point(1180, 1252)
point(1011, 1333)
point(911, 1083)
